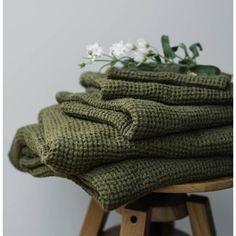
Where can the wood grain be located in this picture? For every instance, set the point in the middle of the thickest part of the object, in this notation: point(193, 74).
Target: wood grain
point(200, 216)
point(138, 227)
point(94, 220)
point(203, 186)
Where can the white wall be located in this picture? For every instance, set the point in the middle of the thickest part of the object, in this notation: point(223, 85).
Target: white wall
point(44, 41)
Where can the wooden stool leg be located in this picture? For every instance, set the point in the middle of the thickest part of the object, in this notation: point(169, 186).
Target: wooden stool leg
point(135, 222)
point(94, 220)
point(200, 215)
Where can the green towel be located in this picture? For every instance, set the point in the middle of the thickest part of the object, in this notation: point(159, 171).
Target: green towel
point(165, 93)
point(130, 134)
point(68, 147)
point(117, 184)
point(139, 119)
point(212, 81)
point(72, 146)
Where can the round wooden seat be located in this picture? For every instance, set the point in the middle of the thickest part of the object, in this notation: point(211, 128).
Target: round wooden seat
point(196, 187)
point(162, 207)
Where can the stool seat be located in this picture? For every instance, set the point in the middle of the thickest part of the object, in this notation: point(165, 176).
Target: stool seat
point(161, 208)
point(196, 187)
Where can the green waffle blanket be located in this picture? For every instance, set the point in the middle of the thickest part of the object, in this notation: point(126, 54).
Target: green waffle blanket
point(139, 119)
point(64, 146)
point(130, 134)
point(166, 93)
point(214, 81)
point(117, 184)
point(73, 146)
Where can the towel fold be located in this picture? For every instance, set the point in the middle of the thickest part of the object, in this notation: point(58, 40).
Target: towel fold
point(117, 184)
point(139, 119)
point(213, 81)
point(114, 184)
point(165, 93)
point(73, 146)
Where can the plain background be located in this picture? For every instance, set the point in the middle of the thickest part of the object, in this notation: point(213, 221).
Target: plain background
point(43, 44)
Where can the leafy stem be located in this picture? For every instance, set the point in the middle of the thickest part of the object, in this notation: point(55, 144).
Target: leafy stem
point(142, 55)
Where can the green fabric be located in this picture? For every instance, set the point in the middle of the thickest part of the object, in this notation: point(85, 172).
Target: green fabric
point(165, 93)
point(120, 149)
point(139, 119)
point(213, 81)
point(114, 184)
point(68, 147)
point(117, 184)
point(72, 146)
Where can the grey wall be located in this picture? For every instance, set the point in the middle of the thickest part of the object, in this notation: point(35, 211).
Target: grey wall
point(43, 42)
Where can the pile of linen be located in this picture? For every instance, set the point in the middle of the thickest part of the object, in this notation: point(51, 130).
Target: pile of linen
point(132, 132)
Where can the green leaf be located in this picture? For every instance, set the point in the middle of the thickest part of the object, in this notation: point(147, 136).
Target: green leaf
point(186, 61)
point(132, 65)
point(129, 63)
point(183, 46)
point(158, 59)
point(205, 70)
point(167, 50)
point(147, 66)
point(183, 69)
point(82, 65)
point(151, 54)
point(195, 48)
point(175, 48)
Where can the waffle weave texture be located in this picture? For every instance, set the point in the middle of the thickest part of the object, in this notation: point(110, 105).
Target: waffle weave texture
point(119, 149)
point(165, 93)
point(126, 181)
point(139, 119)
point(213, 81)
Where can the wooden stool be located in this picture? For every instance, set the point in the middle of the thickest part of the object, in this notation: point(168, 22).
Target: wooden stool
point(157, 211)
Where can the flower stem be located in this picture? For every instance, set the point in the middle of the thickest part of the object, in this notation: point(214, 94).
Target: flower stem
point(100, 70)
point(102, 60)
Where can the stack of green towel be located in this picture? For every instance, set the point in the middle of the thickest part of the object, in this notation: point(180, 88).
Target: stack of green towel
point(132, 132)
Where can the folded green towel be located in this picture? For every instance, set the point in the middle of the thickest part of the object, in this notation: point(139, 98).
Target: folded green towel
point(160, 129)
point(117, 184)
point(139, 119)
point(213, 81)
point(165, 93)
point(72, 146)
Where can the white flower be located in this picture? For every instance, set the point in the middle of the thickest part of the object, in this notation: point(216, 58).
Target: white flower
point(142, 51)
point(140, 57)
point(143, 44)
point(118, 49)
point(130, 47)
point(93, 51)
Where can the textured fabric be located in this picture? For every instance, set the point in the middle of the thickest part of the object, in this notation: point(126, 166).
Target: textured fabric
point(117, 184)
point(214, 81)
point(72, 146)
point(165, 93)
point(128, 134)
point(139, 119)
